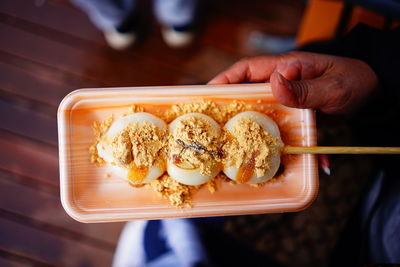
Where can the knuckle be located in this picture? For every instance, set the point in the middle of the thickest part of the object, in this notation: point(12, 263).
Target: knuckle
point(302, 93)
point(339, 95)
point(343, 99)
point(337, 82)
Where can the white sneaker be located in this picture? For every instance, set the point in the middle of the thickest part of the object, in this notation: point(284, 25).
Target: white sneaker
point(118, 40)
point(177, 39)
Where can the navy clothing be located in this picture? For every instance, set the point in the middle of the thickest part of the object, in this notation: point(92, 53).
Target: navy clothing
point(378, 48)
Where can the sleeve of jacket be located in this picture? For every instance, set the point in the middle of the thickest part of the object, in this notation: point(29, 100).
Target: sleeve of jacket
point(378, 48)
point(378, 123)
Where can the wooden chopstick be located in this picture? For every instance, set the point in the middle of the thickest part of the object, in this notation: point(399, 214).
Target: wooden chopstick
point(339, 150)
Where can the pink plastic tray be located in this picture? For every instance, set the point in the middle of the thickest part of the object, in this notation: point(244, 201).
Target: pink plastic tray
point(89, 197)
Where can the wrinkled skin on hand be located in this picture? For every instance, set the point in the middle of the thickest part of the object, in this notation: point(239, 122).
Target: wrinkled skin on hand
point(335, 85)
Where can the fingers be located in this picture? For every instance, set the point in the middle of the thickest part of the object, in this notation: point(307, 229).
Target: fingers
point(235, 74)
point(299, 94)
point(294, 65)
point(307, 80)
point(282, 90)
point(288, 91)
point(256, 69)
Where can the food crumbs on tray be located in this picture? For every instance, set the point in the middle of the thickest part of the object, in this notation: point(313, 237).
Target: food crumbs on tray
point(270, 181)
point(99, 129)
point(107, 175)
point(135, 109)
point(142, 144)
point(179, 195)
point(231, 182)
point(213, 184)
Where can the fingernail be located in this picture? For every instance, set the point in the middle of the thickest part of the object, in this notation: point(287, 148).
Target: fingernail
point(283, 81)
point(279, 75)
point(211, 81)
point(324, 163)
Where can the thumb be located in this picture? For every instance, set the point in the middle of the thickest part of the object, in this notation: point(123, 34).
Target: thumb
point(297, 94)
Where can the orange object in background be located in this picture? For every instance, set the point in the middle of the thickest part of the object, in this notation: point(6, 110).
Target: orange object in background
point(319, 21)
point(322, 20)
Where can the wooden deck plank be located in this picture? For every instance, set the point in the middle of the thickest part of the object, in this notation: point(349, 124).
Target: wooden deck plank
point(12, 263)
point(21, 83)
point(30, 159)
point(41, 21)
point(10, 259)
point(29, 241)
point(217, 18)
point(39, 84)
point(153, 50)
point(94, 63)
point(24, 121)
point(47, 72)
point(46, 207)
point(25, 79)
point(76, 24)
point(72, 22)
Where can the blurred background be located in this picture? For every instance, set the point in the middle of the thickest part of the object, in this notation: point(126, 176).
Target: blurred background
point(50, 47)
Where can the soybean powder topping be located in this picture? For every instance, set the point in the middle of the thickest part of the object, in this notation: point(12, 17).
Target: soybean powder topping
point(99, 129)
point(220, 113)
point(142, 143)
point(177, 194)
point(251, 141)
point(138, 142)
point(195, 142)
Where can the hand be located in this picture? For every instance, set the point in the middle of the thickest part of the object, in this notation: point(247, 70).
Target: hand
point(335, 85)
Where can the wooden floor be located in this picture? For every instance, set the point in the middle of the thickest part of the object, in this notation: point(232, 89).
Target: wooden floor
point(49, 48)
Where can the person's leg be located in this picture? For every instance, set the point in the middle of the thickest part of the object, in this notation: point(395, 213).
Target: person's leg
point(130, 250)
point(169, 242)
point(177, 13)
point(183, 238)
point(106, 14)
point(177, 17)
point(113, 18)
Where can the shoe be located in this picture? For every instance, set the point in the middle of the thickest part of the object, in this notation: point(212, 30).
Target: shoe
point(118, 40)
point(177, 37)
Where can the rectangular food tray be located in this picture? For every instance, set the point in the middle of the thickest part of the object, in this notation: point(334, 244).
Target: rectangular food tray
point(88, 196)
